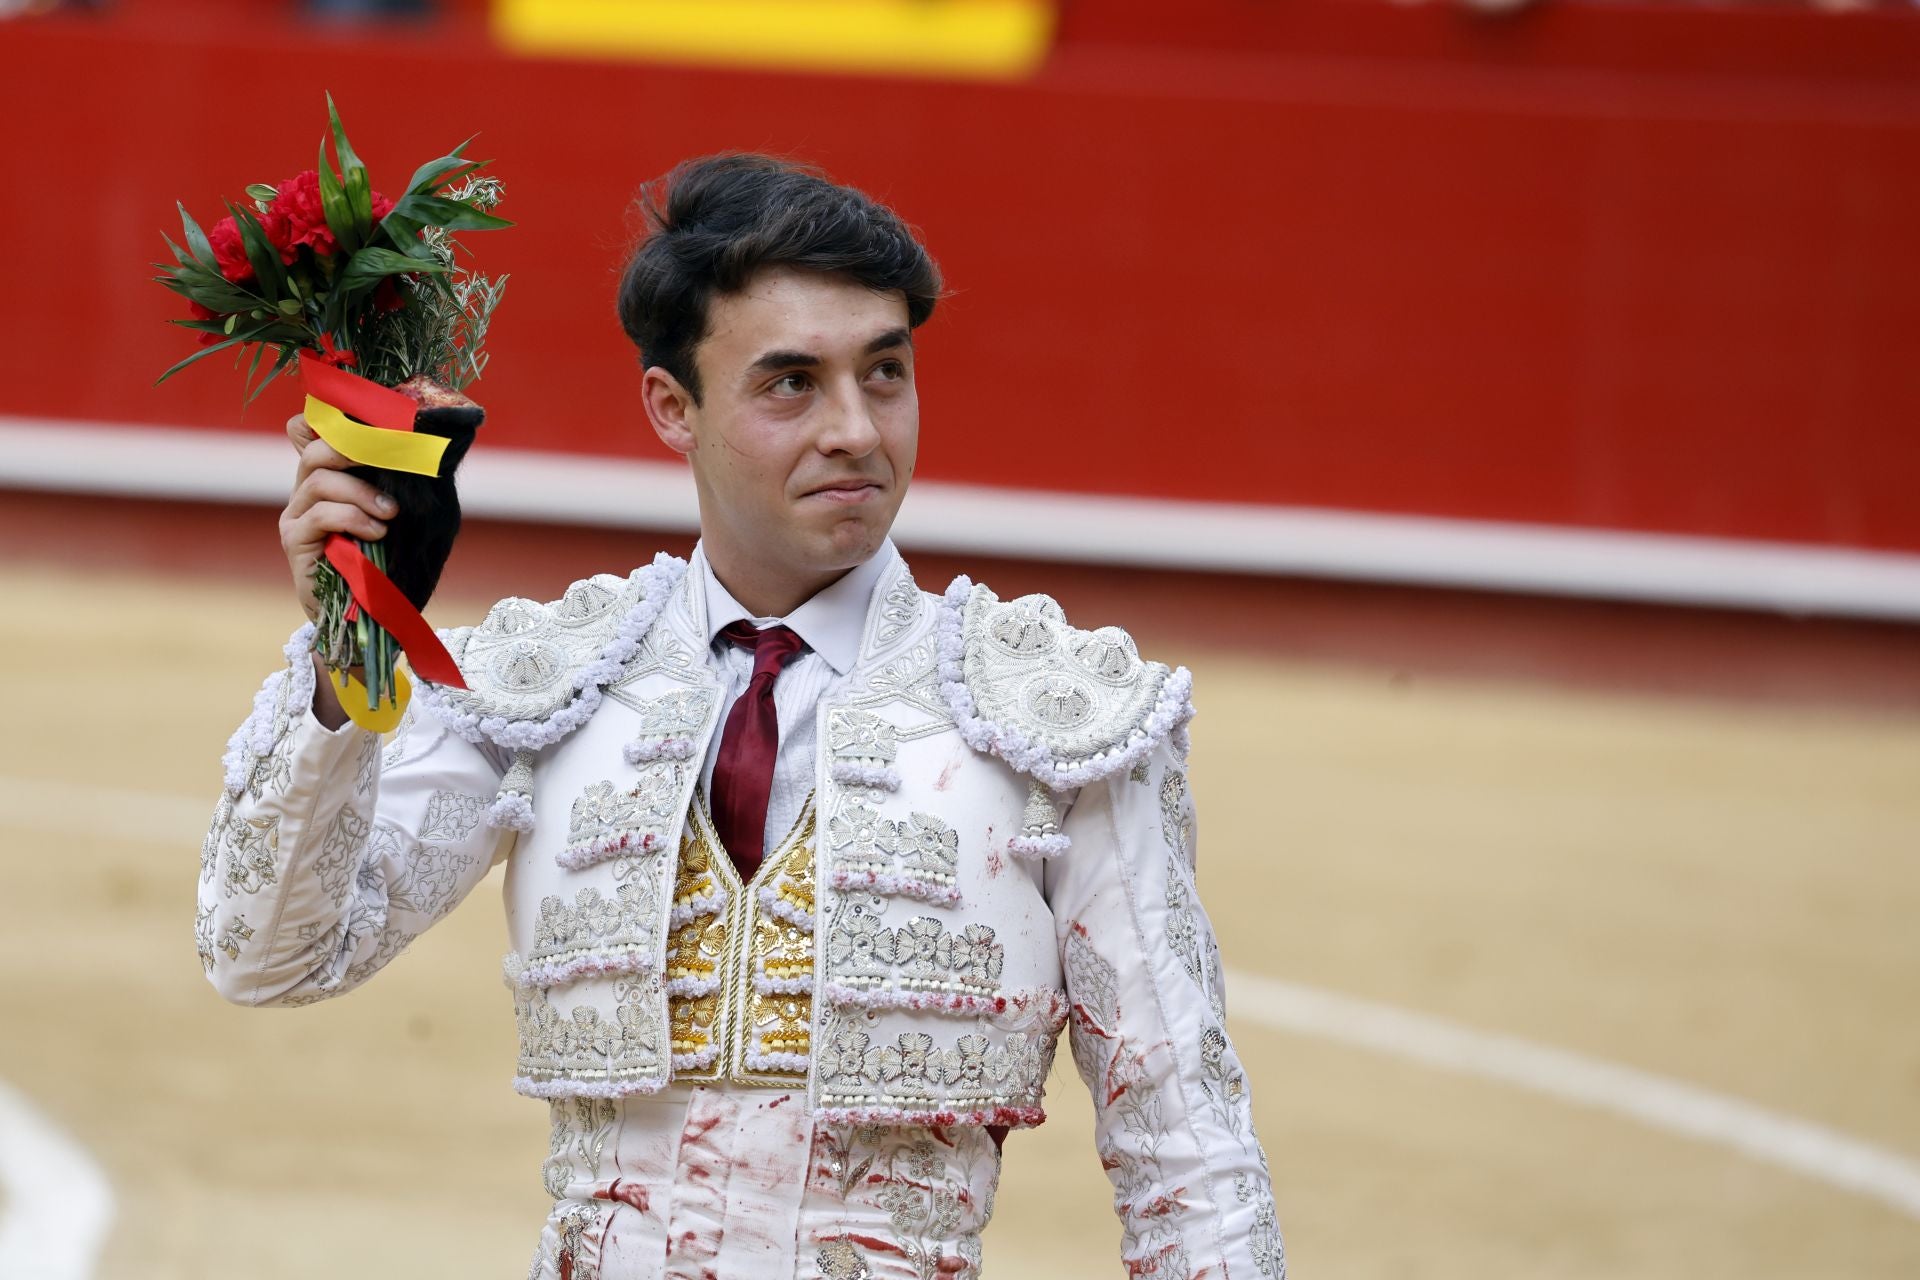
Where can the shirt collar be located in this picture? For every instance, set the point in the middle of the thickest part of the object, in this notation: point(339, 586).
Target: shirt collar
point(831, 621)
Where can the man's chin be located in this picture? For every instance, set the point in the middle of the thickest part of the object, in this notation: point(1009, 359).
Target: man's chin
point(852, 539)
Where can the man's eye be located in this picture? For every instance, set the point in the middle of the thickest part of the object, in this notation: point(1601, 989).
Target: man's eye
point(890, 370)
point(791, 384)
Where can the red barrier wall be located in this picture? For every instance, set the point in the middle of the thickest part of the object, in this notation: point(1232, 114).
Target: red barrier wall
point(1602, 266)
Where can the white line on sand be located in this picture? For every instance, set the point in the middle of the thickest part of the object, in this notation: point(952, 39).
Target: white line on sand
point(1798, 1145)
point(55, 1203)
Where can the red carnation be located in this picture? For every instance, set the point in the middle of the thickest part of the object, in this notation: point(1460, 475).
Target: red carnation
point(302, 218)
point(274, 221)
point(230, 251)
point(297, 217)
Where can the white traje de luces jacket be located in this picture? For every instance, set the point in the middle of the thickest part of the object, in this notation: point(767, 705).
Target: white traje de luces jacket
point(1001, 842)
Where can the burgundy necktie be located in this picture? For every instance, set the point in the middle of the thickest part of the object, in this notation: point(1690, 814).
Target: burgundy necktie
point(743, 771)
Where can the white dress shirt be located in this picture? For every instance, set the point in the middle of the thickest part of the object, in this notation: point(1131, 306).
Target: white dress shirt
point(830, 623)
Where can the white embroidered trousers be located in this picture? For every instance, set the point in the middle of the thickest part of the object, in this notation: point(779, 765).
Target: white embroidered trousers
point(726, 1182)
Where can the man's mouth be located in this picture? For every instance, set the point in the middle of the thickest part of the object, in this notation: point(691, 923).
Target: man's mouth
point(854, 490)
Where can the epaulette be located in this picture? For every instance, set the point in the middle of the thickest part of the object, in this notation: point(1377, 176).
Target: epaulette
point(1065, 707)
point(535, 672)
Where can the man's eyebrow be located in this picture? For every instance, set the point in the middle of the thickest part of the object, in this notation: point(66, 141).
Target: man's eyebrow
point(773, 361)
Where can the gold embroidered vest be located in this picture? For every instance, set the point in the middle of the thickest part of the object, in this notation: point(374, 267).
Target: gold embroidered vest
point(739, 973)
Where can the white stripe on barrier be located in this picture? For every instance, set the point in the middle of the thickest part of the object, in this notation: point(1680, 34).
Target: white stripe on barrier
point(571, 489)
point(1811, 1150)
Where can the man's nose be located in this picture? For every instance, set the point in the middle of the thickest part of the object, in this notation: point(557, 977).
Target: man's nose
point(850, 427)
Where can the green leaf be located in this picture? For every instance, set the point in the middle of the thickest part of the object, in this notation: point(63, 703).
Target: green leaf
point(353, 178)
point(289, 306)
point(253, 367)
point(454, 215)
point(268, 272)
point(196, 240)
point(344, 149)
point(371, 265)
point(199, 355)
point(261, 191)
point(435, 172)
point(333, 201)
point(287, 356)
point(404, 234)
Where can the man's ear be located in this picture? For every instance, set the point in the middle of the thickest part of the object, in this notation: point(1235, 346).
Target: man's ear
point(668, 405)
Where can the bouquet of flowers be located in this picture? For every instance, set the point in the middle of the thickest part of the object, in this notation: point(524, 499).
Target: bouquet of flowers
point(331, 275)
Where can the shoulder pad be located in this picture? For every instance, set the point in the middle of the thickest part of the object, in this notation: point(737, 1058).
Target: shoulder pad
point(535, 672)
point(1064, 706)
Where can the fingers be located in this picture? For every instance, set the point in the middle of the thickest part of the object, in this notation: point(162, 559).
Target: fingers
point(339, 488)
point(311, 527)
point(318, 455)
point(299, 433)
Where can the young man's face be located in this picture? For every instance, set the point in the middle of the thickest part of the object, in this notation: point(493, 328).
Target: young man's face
point(804, 440)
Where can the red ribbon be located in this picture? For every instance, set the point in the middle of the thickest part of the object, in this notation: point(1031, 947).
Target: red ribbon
point(374, 591)
point(356, 396)
point(333, 355)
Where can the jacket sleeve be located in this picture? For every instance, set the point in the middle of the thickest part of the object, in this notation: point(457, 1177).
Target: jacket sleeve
point(327, 856)
point(1173, 1116)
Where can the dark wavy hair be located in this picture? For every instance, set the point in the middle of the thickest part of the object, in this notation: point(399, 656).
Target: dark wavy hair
point(713, 221)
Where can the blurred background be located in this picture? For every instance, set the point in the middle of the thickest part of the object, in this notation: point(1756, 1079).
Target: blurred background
point(1510, 411)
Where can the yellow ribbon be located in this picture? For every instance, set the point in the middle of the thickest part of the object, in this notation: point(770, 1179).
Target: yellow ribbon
point(353, 700)
point(376, 446)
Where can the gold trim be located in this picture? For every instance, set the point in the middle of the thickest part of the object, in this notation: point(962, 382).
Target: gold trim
point(742, 932)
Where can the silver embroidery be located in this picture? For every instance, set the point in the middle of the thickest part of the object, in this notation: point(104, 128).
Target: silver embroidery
point(609, 816)
point(583, 1045)
point(914, 678)
point(581, 1127)
point(918, 857)
point(451, 815)
point(396, 749)
point(216, 831)
point(1041, 816)
point(340, 852)
point(914, 1072)
point(921, 955)
point(429, 879)
point(861, 735)
point(233, 936)
point(392, 943)
point(253, 851)
point(520, 662)
point(203, 937)
point(1117, 1075)
point(683, 711)
point(1269, 1254)
point(1176, 816)
point(899, 610)
point(937, 1196)
point(1079, 693)
point(627, 922)
point(365, 766)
